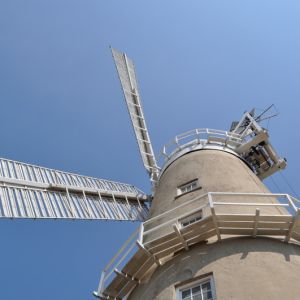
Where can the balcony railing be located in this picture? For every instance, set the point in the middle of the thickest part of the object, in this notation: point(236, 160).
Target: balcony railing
point(196, 137)
point(222, 213)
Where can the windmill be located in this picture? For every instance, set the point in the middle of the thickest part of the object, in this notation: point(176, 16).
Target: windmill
point(35, 192)
point(207, 187)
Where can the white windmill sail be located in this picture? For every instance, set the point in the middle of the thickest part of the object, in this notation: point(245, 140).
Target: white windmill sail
point(125, 68)
point(29, 191)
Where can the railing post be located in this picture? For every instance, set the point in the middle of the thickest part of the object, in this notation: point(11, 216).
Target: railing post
point(211, 204)
point(198, 136)
point(213, 213)
point(141, 233)
point(257, 212)
point(100, 286)
point(292, 203)
point(292, 226)
point(156, 260)
point(164, 153)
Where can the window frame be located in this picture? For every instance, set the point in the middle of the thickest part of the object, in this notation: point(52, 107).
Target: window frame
point(194, 283)
point(191, 219)
point(184, 188)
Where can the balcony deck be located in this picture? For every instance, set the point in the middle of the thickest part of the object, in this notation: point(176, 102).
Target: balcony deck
point(152, 248)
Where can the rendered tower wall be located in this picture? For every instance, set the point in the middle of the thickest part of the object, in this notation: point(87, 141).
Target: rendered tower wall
point(243, 268)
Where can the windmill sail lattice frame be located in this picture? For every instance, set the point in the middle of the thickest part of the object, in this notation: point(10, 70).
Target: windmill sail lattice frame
point(127, 75)
point(29, 191)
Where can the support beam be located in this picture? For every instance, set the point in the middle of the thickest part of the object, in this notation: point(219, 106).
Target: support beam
point(148, 253)
point(293, 225)
point(262, 136)
point(127, 276)
point(182, 240)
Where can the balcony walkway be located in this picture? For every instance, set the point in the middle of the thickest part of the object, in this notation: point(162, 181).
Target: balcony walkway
point(262, 218)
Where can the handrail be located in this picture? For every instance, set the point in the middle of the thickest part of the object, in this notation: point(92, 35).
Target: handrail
point(251, 204)
point(197, 136)
point(171, 221)
point(250, 194)
point(216, 193)
point(290, 204)
point(210, 203)
point(117, 260)
point(175, 208)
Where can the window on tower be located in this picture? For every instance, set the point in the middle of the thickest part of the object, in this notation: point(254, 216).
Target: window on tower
point(191, 218)
point(188, 187)
point(197, 290)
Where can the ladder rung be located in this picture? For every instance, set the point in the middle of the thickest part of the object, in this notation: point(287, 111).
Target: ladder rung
point(137, 105)
point(144, 141)
point(131, 92)
point(137, 116)
point(140, 128)
point(146, 153)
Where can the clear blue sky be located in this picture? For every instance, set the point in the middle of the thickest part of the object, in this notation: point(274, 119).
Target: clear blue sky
point(199, 63)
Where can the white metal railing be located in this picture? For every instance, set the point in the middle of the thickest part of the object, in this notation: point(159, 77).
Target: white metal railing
point(209, 201)
point(172, 220)
point(119, 260)
point(199, 136)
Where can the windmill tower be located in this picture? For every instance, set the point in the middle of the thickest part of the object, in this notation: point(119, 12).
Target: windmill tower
point(211, 229)
point(215, 231)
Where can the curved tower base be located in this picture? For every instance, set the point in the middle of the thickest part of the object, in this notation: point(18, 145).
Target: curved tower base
point(239, 269)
